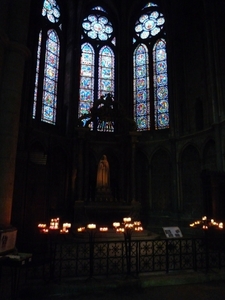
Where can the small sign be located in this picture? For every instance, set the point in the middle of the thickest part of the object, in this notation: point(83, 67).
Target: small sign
point(7, 240)
point(172, 232)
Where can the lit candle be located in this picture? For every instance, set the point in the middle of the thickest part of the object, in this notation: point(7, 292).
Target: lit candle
point(54, 224)
point(103, 229)
point(42, 225)
point(91, 226)
point(81, 229)
point(139, 228)
point(220, 225)
point(120, 229)
point(126, 220)
point(137, 223)
point(129, 226)
point(66, 225)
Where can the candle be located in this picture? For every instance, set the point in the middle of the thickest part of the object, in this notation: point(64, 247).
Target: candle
point(91, 226)
point(126, 220)
point(139, 228)
point(103, 229)
point(137, 223)
point(81, 229)
point(120, 229)
point(54, 224)
point(42, 225)
point(116, 224)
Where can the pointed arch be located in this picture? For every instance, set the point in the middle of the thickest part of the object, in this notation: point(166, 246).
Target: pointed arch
point(45, 101)
point(141, 87)
point(150, 75)
point(98, 49)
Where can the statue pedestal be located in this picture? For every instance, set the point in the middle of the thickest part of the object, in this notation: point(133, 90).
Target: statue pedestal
point(103, 194)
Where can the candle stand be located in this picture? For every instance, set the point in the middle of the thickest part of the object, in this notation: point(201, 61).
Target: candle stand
point(127, 228)
point(53, 233)
point(91, 230)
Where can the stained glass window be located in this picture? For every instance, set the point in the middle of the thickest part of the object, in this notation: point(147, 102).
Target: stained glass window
point(161, 109)
point(51, 11)
point(150, 85)
point(106, 71)
point(86, 79)
point(97, 75)
point(49, 103)
point(47, 66)
point(141, 87)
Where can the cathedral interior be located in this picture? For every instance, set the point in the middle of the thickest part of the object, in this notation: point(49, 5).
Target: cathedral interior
point(138, 83)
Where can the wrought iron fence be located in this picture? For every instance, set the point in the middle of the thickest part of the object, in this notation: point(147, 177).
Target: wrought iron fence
point(104, 258)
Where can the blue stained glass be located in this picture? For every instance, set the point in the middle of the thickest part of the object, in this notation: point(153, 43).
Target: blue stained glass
point(150, 4)
point(149, 24)
point(162, 79)
point(85, 95)
point(155, 31)
point(163, 106)
point(161, 67)
point(98, 8)
point(106, 71)
point(92, 18)
point(51, 10)
point(86, 79)
point(103, 20)
point(85, 82)
point(49, 102)
point(162, 92)
point(141, 88)
point(97, 27)
point(161, 85)
point(161, 54)
point(140, 71)
point(86, 25)
point(37, 75)
point(160, 21)
point(144, 35)
point(103, 36)
point(97, 75)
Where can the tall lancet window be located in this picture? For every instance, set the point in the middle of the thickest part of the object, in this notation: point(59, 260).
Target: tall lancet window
point(97, 75)
point(150, 77)
point(47, 66)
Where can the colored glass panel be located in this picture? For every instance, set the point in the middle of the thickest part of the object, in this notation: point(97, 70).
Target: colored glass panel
point(106, 71)
point(86, 79)
point(141, 88)
point(51, 10)
point(97, 76)
point(150, 4)
point(37, 75)
point(97, 27)
point(98, 8)
point(149, 24)
point(49, 99)
point(161, 104)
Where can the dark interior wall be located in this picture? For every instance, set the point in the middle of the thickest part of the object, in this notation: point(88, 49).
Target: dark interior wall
point(167, 183)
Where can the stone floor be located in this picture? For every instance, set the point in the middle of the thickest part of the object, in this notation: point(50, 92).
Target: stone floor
point(173, 286)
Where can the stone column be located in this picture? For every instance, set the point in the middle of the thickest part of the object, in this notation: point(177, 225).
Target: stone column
point(14, 21)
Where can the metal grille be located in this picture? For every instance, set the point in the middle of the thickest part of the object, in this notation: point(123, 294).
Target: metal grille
point(85, 259)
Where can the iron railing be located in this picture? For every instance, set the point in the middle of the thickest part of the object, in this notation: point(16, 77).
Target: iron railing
point(71, 258)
